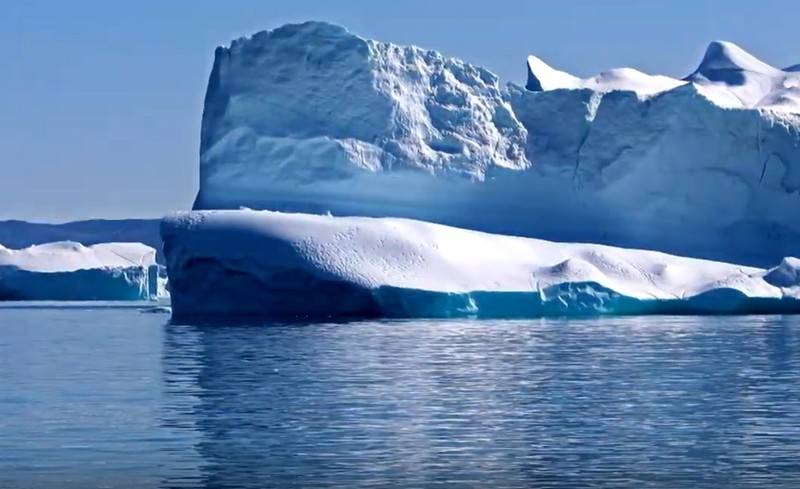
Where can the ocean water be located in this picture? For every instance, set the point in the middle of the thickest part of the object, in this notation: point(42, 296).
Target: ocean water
point(119, 398)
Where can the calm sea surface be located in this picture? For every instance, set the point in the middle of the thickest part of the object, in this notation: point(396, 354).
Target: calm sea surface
point(119, 398)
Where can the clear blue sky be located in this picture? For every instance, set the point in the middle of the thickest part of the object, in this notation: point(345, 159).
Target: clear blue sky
point(100, 101)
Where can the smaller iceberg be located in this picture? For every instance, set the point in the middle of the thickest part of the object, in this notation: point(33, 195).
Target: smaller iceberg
point(271, 264)
point(70, 271)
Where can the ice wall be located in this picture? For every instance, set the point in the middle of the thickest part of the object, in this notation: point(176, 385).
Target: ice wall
point(229, 264)
point(312, 118)
point(70, 271)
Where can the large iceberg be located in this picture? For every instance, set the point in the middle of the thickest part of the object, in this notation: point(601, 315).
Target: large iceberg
point(71, 271)
point(262, 263)
point(311, 118)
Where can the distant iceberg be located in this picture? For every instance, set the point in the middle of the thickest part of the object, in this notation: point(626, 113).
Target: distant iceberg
point(70, 271)
point(270, 264)
point(21, 234)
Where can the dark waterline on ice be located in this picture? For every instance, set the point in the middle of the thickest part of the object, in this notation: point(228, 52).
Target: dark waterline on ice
point(117, 398)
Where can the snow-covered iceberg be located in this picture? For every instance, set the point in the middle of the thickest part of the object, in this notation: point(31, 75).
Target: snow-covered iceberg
point(262, 263)
point(21, 234)
point(312, 118)
point(71, 271)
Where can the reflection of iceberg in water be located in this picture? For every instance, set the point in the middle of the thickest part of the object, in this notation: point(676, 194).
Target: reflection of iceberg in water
point(182, 362)
point(664, 400)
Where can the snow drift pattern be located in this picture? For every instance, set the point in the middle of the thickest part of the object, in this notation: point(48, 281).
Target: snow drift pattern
point(261, 263)
point(70, 271)
point(312, 118)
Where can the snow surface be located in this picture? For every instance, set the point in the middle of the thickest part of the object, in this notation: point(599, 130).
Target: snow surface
point(240, 263)
point(311, 118)
point(728, 76)
point(68, 270)
point(542, 77)
point(21, 234)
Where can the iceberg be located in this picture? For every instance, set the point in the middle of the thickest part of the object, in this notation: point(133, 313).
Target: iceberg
point(311, 118)
point(21, 234)
point(234, 263)
point(71, 271)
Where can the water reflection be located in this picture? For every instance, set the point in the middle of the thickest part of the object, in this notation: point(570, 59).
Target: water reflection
point(620, 402)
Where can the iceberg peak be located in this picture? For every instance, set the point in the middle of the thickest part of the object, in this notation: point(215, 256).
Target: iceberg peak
point(730, 77)
point(724, 56)
point(542, 77)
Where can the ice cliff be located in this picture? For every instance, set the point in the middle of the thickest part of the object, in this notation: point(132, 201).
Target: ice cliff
point(312, 118)
point(70, 271)
point(262, 263)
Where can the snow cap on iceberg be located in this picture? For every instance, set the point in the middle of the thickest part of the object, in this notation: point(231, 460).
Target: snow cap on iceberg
point(728, 76)
point(723, 57)
point(542, 77)
point(67, 256)
point(731, 77)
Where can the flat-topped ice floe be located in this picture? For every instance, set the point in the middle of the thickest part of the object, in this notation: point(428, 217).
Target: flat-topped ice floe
point(70, 271)
point(262, 263)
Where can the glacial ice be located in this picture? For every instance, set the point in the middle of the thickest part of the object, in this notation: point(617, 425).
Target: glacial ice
point(71, 271)
point(22, 234)
point(230, 263)
point(542, 78)
point(730, 76)
point(311, 118)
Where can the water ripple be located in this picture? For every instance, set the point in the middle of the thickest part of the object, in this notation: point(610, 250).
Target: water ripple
point(113, 398)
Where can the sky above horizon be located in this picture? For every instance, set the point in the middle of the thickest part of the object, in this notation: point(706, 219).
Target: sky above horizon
point(100, 102)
